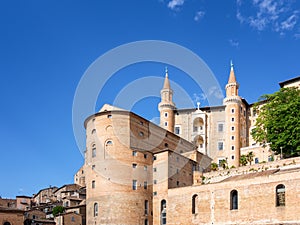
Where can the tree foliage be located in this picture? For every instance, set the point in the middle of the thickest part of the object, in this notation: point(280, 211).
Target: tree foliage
point(278, 121)
point(57, 210)
point(243, 160)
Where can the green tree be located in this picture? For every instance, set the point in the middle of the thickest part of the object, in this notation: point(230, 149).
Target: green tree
point(214, 166)
point(243, 160)
point(58, 209)
point(223, 164)
point(250, 157)
point(278, 121)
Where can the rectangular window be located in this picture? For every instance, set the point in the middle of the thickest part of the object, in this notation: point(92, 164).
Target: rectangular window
point(93, 167)
point(154, 169)
point(94, 152)
point(134, 153)
point(146, 222)
point(155, 182)
point(256, 161)
point(154, 193)
point(177, 130)
point(145, 185)
point(232, 147)
point(232, 137)
point(220, 146)
point(134, 185)
point(93, 184)
point(232, 157)
point(145, 168)
point(146, 207)
point(145, 156)
point(220, 127)
point(232, 110)
point(134, 165)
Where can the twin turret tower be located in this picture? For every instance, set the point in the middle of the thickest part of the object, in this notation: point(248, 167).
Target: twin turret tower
point(222, 144)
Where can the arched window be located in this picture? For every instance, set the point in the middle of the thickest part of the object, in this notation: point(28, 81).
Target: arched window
point(93, 150)
point(163, 212)
point(194, 204)
point(6, 223)
point(93, 131)
point(95, 209)
point(280, 195)
point(233, 200)
point(108, 143)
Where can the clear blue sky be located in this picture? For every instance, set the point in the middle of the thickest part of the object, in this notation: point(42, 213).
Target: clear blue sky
point(46, 46)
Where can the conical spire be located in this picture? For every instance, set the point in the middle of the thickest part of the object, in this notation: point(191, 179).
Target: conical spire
point(167, 82)
point(232, 78)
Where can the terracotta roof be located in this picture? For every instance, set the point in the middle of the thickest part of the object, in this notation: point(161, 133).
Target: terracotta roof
point(250, 175)
point(281, 84)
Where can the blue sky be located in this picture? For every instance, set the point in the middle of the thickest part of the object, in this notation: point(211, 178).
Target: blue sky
point(46, 46)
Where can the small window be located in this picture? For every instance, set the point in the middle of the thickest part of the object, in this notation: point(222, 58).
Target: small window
point(232, 137)
point(93, 152)
point(141, 134)
point(232, 157)
point(232, 147)
point(146, 205)
point(93, 167)
point(141, 122)
point(194, 204)
point(109, 116)
point(145, 185)
point(233, 200)
point(145, 168)
point(95, 209)
point(154, 193)
point(220, 127)
point(177, 130)
point(73, 219)
point(154, 181)
point(256, 161)
point(134, 165)
point(232, 110)
point(109, 143)
point(146, 222)
point(166, 124)
point(232, 128)
point(145, 156)
point(166, 114)
point(134, 185)
point(93, 184)
point(220, 146)
point(232, 119)
point(280, 195)
point(166, 145)
point(93, 131)
point(177, 159)
point(177, 183)
point(134, 153)
point(154, 169)
point(154, 157)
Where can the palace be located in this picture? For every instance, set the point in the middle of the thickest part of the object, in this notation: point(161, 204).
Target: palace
point(136, 172)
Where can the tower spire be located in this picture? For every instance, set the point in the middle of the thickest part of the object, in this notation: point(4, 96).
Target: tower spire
point(166, 82)
point(232, 78)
